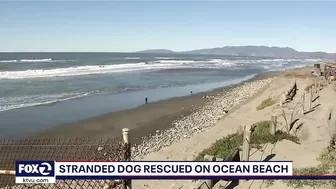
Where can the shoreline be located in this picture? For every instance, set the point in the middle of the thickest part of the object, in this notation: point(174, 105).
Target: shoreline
point(39, 119)
point(145, 120)
point(202, 119)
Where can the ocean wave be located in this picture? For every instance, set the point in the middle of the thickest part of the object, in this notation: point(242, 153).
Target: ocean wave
point(7, 61)
point(215, 60)
point(81, 70)
point(37, 60)
point(9, 103)
point(164, 58)
point(266, 67)
point(143, 66)
point(174, 61)
point(131, 58)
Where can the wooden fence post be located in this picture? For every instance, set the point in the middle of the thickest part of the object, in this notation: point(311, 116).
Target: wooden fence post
point(240, 129)
point(318, 96)
point(125, 132)
point(320, 87)
point(246, 143)
point(303, 101)
point(311, 98)
point(207, 184)
point(273, 124)
point(282, 99)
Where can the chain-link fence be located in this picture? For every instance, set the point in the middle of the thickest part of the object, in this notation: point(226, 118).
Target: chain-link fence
point(62, 149)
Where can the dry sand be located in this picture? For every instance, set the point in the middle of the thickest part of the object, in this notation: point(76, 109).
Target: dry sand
point(314, 133)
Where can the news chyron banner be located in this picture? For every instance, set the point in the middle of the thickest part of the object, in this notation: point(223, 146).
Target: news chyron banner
point(50, 171)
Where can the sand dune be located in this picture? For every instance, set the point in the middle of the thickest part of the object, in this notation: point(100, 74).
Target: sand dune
point(314, 134)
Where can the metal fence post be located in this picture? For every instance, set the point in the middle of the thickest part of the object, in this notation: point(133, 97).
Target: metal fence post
point(125, 135)
point(127, 153)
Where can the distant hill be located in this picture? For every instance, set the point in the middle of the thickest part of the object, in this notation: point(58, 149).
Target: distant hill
point(156, 51)
point(260, 51)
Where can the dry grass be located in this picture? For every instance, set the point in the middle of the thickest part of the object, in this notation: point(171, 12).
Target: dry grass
point(224, 147)
point(299, 73)
point(266, 103)
point(309, 87)
point(327, 166)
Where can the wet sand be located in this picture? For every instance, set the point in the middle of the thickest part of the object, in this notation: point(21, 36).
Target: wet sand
point(143, 121)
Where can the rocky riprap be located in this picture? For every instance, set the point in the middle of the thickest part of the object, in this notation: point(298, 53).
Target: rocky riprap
point(200, 119)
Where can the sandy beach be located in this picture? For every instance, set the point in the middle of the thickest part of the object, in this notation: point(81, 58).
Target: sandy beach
point(314, 135)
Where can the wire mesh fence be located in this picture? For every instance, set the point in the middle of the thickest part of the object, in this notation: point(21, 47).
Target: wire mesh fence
point(62, 149)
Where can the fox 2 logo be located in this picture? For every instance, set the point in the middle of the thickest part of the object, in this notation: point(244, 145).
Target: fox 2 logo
point(35, 168)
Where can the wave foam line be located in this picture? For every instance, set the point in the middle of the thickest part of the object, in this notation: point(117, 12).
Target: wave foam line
point(82, 70)
point(7, 61)
point(37, 100)
point(37, 60)
point(131, 58)
point(142, 66)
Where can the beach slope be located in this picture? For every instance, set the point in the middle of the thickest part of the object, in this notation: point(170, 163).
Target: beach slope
point(314, 136)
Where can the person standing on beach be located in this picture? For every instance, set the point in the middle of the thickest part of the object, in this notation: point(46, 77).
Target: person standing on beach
point(191, 92)
point(146, 100)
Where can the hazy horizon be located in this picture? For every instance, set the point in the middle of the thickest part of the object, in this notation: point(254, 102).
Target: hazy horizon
point(127, 27)
point(139, 51)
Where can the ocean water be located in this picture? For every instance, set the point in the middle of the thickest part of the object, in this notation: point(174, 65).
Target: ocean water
point(31, 79)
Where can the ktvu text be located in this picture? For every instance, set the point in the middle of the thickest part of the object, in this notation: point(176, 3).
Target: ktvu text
point(34, 172)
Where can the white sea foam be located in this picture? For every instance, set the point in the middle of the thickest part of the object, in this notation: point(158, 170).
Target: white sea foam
point(36, 60)
point(215, 60)
point(153, 65)
point(9, 103)
point(174, 61)
point(164, 58)
point(266, 67)
point(131, 58)
point(81, 70)
point(94, 69)
point(7, 61)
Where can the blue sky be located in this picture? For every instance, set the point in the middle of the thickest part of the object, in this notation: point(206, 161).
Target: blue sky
point(131, 26)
